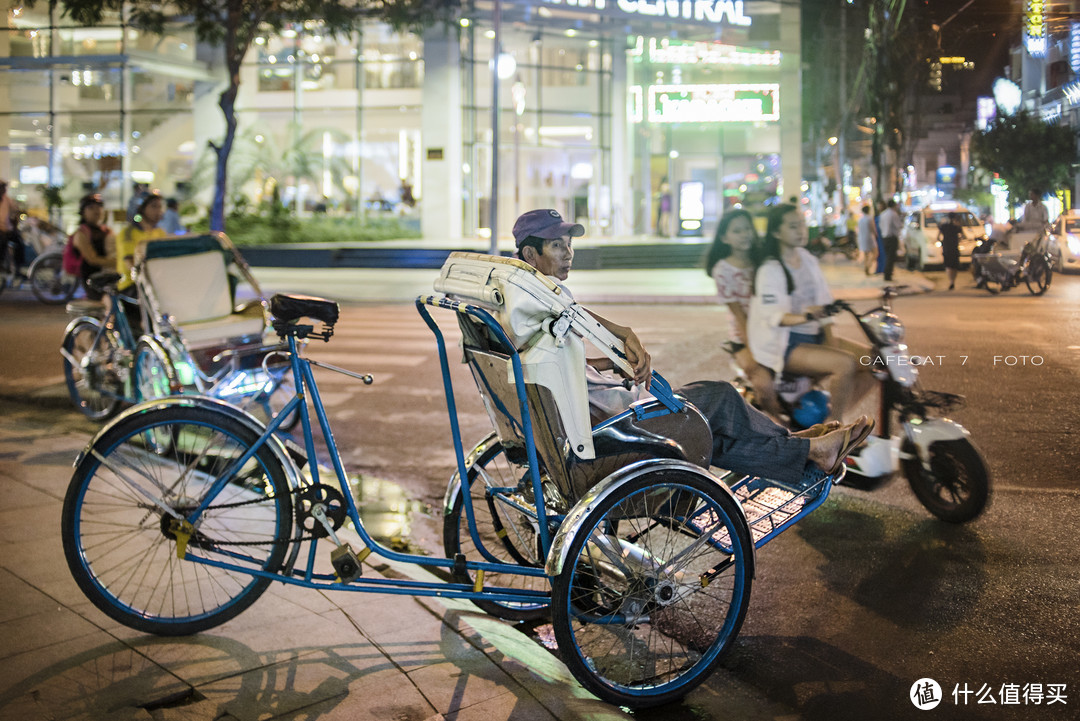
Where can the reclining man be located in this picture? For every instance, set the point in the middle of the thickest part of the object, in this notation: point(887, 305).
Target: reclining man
point(745, 440)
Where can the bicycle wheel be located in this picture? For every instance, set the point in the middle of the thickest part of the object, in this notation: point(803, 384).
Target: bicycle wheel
point(1038, 276)
point(643, 615)
point(90, 370)
point(121, 546)
point(507, 533)
point(48, 280)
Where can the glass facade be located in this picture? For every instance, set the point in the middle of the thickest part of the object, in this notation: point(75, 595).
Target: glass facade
point(600, 115)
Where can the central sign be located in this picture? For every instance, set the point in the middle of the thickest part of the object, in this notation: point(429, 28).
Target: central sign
point(712, 11)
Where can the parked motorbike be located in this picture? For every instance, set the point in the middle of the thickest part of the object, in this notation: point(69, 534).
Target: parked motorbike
point(945, 469)
point(43, 270)
point(996, 266)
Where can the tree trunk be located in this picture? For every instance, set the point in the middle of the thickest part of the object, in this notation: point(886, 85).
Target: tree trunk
point(227, 103)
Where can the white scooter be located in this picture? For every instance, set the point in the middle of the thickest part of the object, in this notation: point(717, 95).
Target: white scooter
point(944, 468)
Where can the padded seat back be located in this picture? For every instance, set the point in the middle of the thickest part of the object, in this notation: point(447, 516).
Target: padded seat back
point(190, 288)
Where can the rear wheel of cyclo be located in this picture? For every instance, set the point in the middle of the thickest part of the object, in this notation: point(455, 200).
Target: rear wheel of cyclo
point(644, 617)
point(121, 546)
point(49, 281)
point(93, 383)
point(508, 534)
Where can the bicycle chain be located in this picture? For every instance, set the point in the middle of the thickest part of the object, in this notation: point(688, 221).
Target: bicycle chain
point(273, 542)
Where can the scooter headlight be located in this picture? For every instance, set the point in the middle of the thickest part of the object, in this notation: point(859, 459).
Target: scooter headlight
point(886, 328)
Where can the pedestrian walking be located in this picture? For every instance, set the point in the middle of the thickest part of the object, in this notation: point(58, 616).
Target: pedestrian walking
point(890, 224)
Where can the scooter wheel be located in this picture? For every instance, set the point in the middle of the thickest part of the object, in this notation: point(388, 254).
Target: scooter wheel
point(956, 489)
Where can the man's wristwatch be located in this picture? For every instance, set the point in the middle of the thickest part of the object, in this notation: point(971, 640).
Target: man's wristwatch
point(810, 316)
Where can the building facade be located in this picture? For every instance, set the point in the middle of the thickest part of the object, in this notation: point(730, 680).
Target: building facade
point(630, 116)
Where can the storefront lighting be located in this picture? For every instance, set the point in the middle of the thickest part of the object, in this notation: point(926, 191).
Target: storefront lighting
point(489, 34)
point(713, 103)
point(288, 33)
point(570, 32)
point(833, 140)
point(593, 43)
point(260, 40)
point(315, 58)
point(464, 22)
point(259, 138)
point(669, 51)
point(673, 154)
point(507, 66)
point(272, 59)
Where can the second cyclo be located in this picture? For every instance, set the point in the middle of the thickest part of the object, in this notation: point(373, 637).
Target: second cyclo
point(183, 333)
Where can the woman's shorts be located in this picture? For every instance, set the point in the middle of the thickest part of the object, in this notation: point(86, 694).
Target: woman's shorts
point(795, 339)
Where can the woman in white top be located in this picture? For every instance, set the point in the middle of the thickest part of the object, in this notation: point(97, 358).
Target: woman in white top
point(787, 330)
point(728, 262)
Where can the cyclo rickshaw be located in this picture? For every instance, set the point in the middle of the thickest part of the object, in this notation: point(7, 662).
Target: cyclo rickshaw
point(643, 558)
point(195, 337)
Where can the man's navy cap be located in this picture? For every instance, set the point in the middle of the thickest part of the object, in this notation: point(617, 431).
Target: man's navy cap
point(546, 224)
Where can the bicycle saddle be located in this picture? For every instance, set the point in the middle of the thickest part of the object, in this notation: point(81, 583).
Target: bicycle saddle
point(103, 280)
point(291, 308)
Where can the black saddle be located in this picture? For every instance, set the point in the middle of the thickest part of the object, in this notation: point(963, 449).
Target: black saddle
point(103, 280)
point(291, 308)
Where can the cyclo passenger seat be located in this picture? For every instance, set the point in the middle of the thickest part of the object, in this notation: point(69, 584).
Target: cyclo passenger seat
point(548, 330)
point(288, 309)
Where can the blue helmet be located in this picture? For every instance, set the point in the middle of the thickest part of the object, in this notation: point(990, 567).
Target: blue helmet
point(813, 407)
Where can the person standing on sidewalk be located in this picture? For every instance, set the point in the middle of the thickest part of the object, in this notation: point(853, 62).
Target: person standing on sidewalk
point(891, 224)
point(949, 239)
point(866, 232)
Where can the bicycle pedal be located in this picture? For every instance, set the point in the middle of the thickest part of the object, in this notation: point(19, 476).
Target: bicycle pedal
point(346, 562)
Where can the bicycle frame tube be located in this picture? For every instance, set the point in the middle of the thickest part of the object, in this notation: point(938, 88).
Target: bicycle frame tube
point(526, 421)
point(305, 382)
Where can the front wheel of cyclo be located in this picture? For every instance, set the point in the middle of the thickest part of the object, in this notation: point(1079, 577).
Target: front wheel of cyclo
point(91, 369)
point(654, 589)
point(507, 533)
point(121, 534)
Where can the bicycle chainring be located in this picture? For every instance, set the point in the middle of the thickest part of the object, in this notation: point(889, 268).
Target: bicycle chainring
point(332, 503)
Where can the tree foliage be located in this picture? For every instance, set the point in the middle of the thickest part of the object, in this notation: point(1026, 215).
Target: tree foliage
point(233, 25)
point(894, 72)
point(1028, 153)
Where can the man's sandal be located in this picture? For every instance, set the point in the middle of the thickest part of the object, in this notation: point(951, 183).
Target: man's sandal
point(853, 438)
point(817, 430)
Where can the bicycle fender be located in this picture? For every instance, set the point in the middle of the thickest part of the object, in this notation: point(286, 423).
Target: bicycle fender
point(81, 319)
point(276, 446)
point(453, 488)
point(560, 545)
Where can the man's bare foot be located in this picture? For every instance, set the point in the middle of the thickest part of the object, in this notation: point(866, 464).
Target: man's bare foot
point(828, 452)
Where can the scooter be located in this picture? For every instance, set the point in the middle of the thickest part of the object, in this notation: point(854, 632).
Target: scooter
point(945, 469)
point(997, 267)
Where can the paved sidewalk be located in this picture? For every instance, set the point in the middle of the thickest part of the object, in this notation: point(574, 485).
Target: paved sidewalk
point(295, 654)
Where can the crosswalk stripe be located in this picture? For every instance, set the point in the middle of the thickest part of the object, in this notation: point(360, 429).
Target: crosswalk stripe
point(356, 361)
point(373, 342)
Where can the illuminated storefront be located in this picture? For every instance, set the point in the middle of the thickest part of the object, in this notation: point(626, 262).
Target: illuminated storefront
point(606, 107)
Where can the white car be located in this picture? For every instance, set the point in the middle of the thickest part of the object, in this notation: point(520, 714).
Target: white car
point(920, 234)
point(1066, 231)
